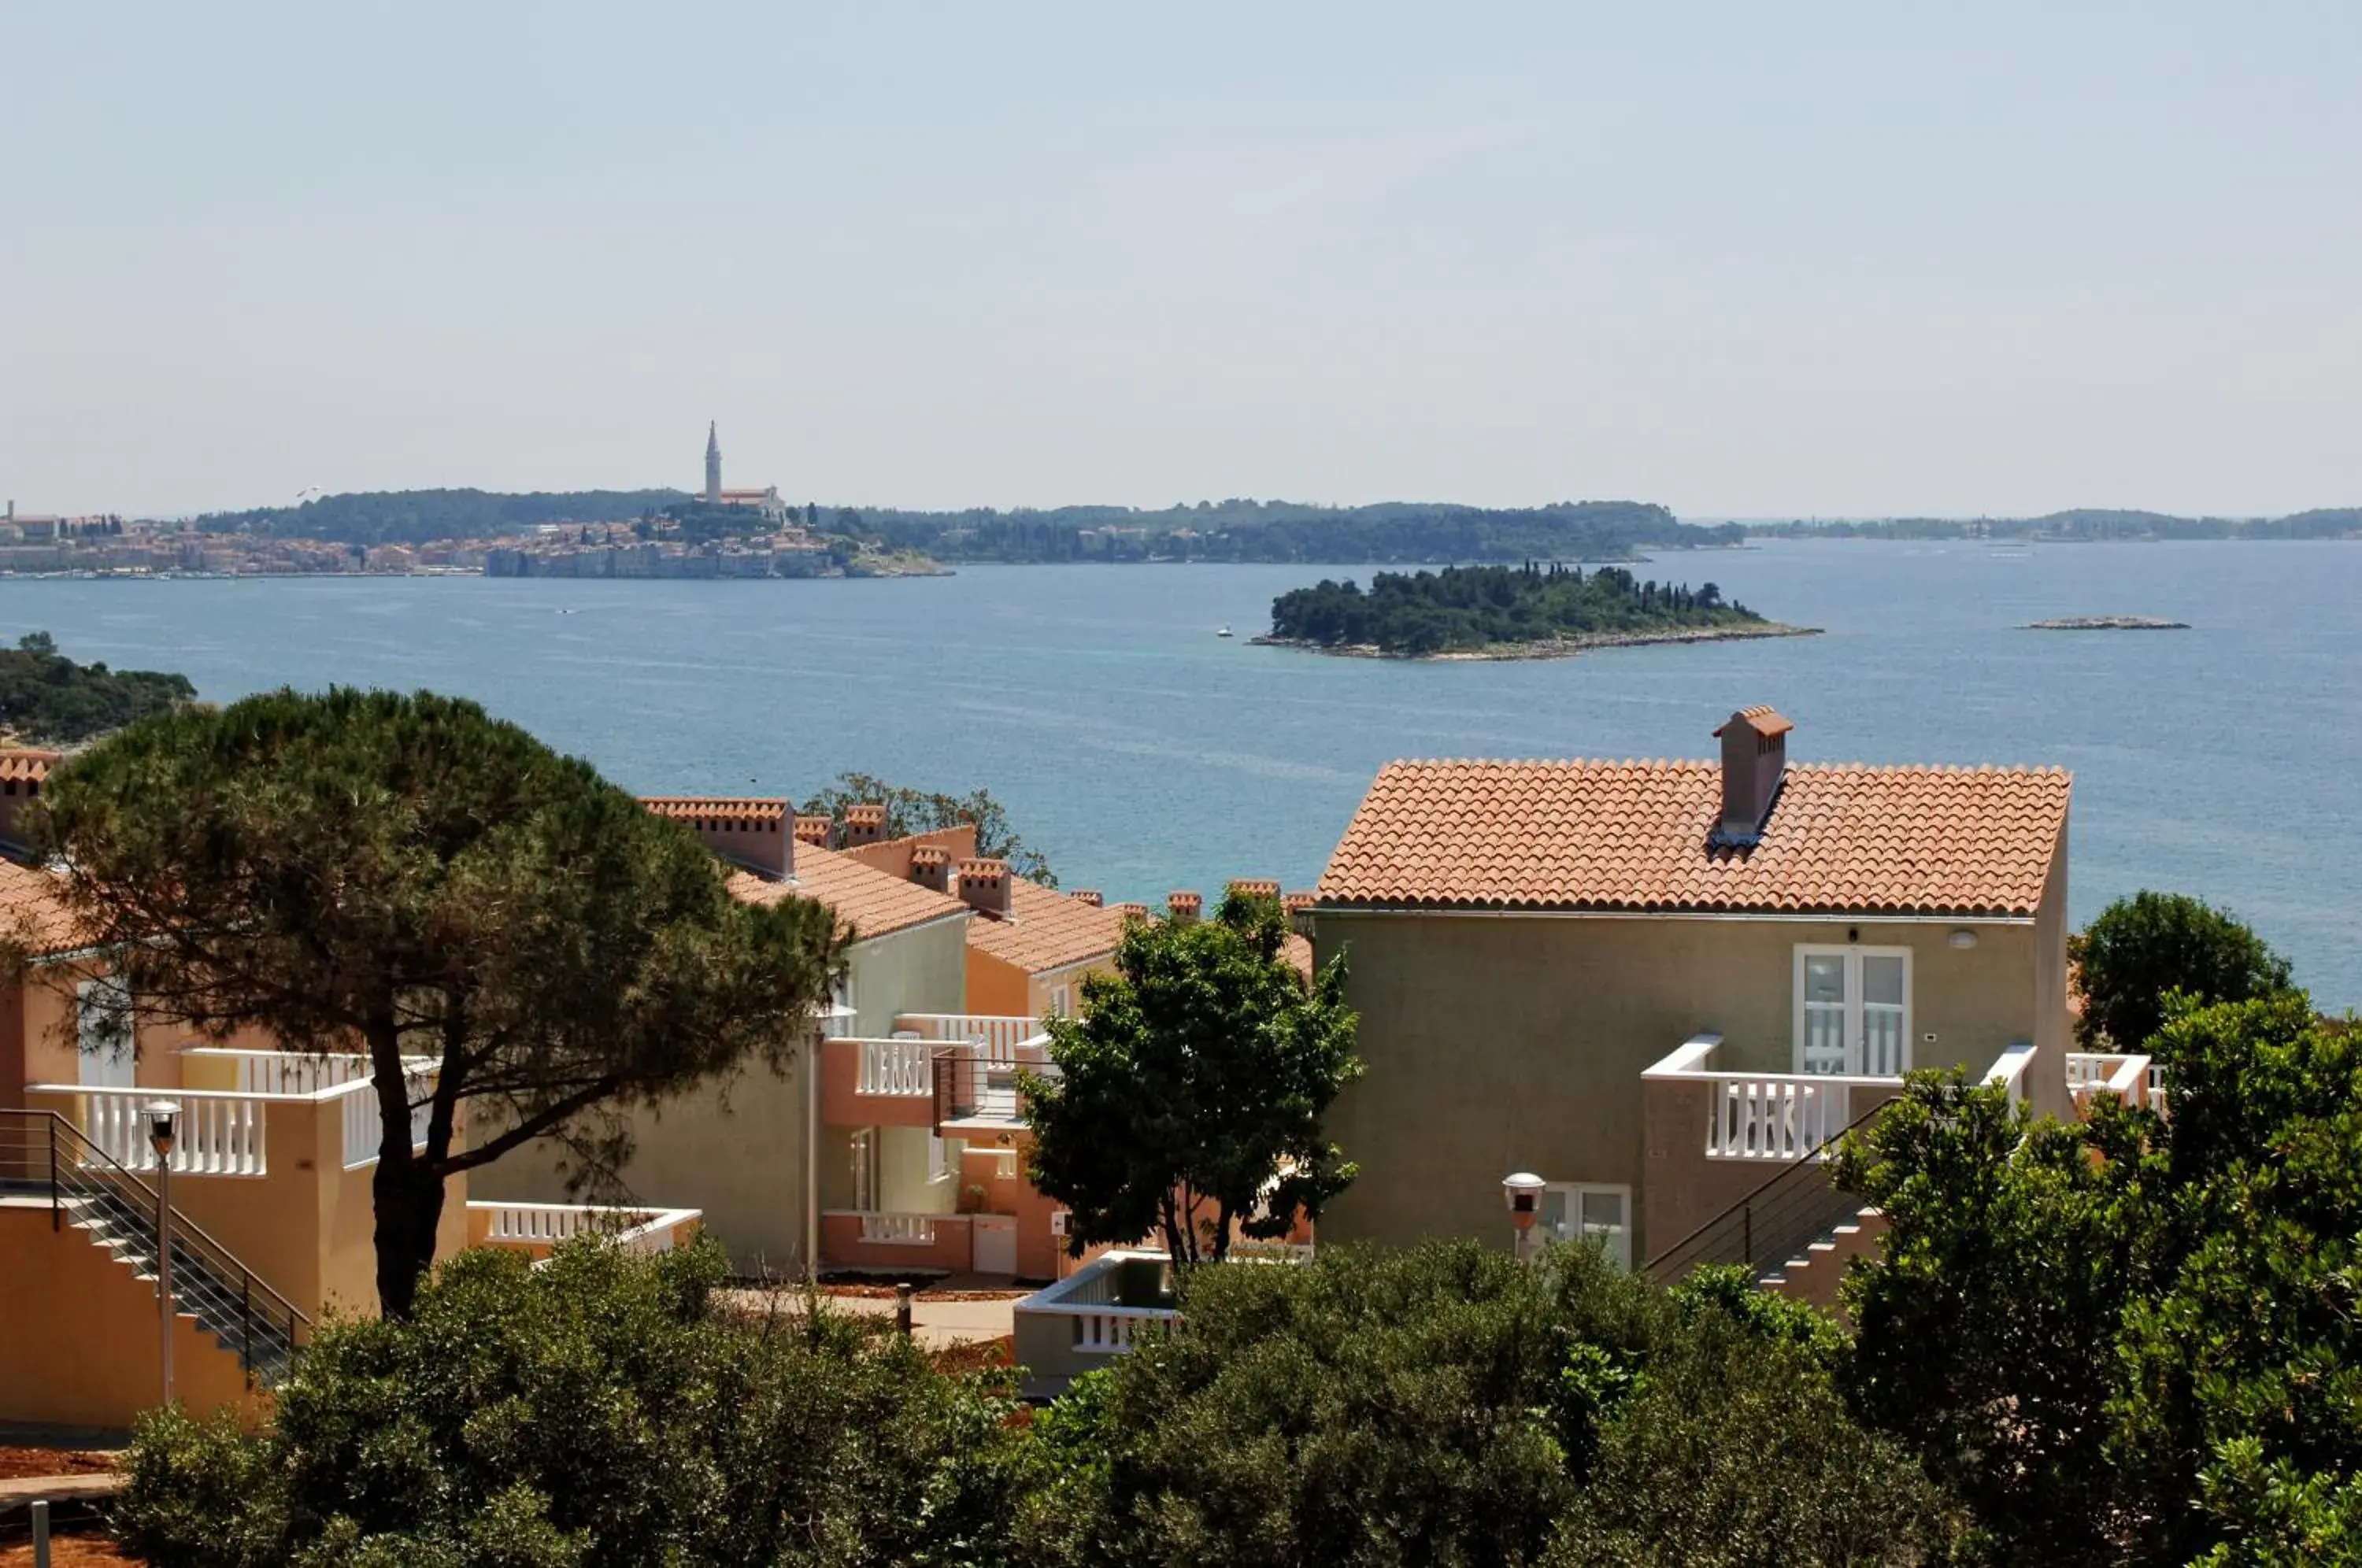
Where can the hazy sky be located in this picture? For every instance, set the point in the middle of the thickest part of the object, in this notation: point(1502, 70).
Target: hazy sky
point(1742, 258)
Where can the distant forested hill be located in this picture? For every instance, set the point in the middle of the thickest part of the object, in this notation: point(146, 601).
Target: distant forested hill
point(2086, 524)
point(414, 516)
point(1468, 609)
point(47, 697)
point(1208, 531)
point(1293, 530)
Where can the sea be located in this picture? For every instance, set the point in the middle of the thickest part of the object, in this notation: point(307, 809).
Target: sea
point(1143, 753)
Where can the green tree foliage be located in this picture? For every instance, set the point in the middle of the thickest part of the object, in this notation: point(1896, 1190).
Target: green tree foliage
point(918, 811)
point(2143, 947)
point(417, 516)
point(1446, 1405)
point(48, 699)
point(1478, 607)
point(2135, 1338)
point(1188, 1095)
point(407, 876)
point(601, 1412)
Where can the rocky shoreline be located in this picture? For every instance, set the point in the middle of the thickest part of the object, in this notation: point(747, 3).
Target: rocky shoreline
point(1553, 648)
point(2106, 623)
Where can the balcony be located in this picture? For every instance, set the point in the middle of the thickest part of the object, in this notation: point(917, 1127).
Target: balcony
point(877, 1083)
point(976, 1087)
point(896, 1242)
point(995, 1037)
point(1777, 1117)
point(229, 1100)
point(1073, 1326)
point(2134, 1080)
point(540, 1227)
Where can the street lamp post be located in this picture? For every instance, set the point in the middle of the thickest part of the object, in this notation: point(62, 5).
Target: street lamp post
point(163, 1118)
point(1523, 1190)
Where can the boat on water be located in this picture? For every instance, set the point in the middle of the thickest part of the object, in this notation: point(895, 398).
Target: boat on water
point(1223, 633)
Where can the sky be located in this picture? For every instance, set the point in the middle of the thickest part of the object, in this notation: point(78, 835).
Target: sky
point(1846, 259)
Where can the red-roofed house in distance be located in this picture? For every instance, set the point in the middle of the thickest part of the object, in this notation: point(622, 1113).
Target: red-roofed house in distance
point(1661, 987)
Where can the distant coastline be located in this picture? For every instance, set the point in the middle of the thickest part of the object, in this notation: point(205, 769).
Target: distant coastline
point(1552, 647)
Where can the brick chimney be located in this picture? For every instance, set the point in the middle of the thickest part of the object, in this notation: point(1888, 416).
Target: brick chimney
point(1754, 759)
point(931, 867)
point(813, 831)
point(984, 885)
point(1183, 907)
point(864, 823)
point(1088, 896)
point(749, 832)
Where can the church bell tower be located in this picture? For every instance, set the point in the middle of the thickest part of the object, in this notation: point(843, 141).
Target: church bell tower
point(713, 466)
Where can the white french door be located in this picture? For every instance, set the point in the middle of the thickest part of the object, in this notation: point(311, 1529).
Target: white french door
point(104, 1027)
point(1853, 1011)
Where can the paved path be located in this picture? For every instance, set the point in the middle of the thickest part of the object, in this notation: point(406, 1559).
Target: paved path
point(931, 1322)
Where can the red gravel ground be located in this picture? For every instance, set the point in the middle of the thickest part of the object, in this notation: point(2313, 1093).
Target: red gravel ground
point(17, 1463)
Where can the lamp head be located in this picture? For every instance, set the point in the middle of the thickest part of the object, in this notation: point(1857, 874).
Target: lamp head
point(1523, 1192)
point(163, 1123)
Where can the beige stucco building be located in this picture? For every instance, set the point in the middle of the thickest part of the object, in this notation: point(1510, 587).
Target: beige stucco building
point(1654, 984)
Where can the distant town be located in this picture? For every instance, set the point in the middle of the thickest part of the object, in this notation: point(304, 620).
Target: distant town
point(720, 531)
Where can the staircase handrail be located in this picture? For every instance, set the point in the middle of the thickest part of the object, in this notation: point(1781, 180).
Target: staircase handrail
point(1812, 1158)
point(209, 1251)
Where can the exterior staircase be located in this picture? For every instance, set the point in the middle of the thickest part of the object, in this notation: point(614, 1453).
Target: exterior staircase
point(44, 1155)
point(1814, 1274)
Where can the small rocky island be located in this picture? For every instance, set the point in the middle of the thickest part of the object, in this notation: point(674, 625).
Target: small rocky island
point(1534, 611)
point(2106, 623)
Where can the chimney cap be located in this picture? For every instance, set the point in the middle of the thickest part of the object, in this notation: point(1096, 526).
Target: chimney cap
point(813, 830)
point(973, 867)
point(1132, 912)
point(868, 812)
point(931, 855)
point(1090, 896)
point(1292, 902)
point(1762, 718)
point(1254, 886)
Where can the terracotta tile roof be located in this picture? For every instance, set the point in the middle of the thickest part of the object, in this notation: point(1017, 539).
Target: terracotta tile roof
point(868, 900)
point(1298, 950)
point(33, 910)
point(1046, 930)
point(1632, 835)
point(693, 808)
point(26, 762)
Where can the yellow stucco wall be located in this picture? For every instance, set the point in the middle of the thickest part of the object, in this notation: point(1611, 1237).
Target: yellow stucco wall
point(79, 1334)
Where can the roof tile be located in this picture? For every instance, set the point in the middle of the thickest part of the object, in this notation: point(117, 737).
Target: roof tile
point(1625, 835)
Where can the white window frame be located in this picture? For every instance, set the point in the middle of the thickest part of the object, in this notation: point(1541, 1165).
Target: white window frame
point(1855, 1038)
point(1061, 1001)
point(864, 1170)
point(941, 1163)
point(1619, 1239)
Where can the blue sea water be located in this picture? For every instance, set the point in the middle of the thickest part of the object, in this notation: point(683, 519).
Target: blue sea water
point(1144, 754)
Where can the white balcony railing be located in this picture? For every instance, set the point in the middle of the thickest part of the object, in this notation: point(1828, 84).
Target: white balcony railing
point(548, 1224)
point(2135, 1080)
point(1770, 1116)
point(900, 1229)
point(1085, 1301)
point(218, 1134)
point(897, 1068)
point(996, 1036)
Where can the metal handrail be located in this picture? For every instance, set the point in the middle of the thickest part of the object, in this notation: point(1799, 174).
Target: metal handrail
point(79, 1169)
point(1777, 1211)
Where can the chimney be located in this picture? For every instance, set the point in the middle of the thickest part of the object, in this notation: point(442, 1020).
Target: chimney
point(1255, 887)
point(1183, 907)
point(864, 823)
point(1131, 912)
point(1089, 896)
point(984, 884)
point(1299, 911)
point(747, 833)
point(931, 867)
point(1754, 759)
point(813, 831)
